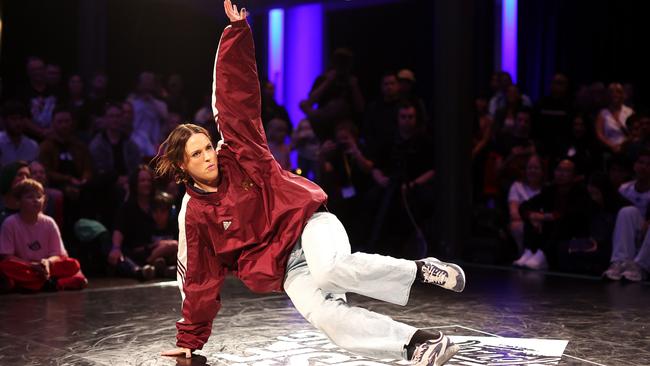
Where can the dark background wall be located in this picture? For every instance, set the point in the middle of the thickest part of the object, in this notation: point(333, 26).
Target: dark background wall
point(588, 40)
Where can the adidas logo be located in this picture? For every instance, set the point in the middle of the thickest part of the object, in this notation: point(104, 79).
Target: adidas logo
point(226, 224)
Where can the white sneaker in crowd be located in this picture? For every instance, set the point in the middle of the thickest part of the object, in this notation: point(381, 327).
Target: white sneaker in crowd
point(633, 272)
point(523, 259)
point(615, 271)
point(537, 261)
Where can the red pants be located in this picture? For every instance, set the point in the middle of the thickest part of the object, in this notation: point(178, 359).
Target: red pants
point(66, 271)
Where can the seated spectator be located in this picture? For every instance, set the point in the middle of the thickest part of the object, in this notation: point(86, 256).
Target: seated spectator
point(53, 197)
point(277, 132)
point(31, 250)
point(521, 191)
point(149, 115)
point(53, 78)
point(628, 260)
point(553, 112)
point(76, 101)
point(164, 242)
point(579, 145)
point(515, 145)
point(611, 129)
point(619, 170)
point(132, 251)
point(504, 119)
point(14, 145)
point(39, 99)
point(591, 254)
point(174, 96)
point(305, 141)
point(639, 139)
point(10, 175)
point(501, 83)
point(114, 158)
point(558, 213)
point(68, 165)
point(97, 95)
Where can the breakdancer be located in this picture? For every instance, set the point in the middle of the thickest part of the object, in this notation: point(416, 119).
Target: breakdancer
point(243, 214)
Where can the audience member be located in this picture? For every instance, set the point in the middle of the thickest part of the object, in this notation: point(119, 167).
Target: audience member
point(345, 178)
point(14, 145)
point(521, 191)
point(380, 120)
point(114, 158)
point(407, 84)
point(174, 96)
point(628, 260)
point(403, 172)
point(336, 95)
point(553, 112)
point(499, 99)
point(39, 98)
point(149, 115)
point(68, 164)
point(132, 248)
point(31, 248)
point(611, 129)
point(53, 78)
point(76, 101)
point(559, 213)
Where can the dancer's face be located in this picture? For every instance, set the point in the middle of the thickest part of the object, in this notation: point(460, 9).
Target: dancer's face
point(201, 160)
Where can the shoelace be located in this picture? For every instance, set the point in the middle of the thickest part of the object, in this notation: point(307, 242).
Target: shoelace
point(419, 352)
point(433, 274)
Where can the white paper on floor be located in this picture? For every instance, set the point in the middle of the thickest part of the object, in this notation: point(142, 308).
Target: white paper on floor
point(308, 348)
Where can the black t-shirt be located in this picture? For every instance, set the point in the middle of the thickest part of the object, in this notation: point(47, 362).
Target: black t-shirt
point(405, 160)
point(136, 225)
point(66, 162)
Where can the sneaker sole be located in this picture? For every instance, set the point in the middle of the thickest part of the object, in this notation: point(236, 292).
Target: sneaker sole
point(449, 353)
point(460, 275)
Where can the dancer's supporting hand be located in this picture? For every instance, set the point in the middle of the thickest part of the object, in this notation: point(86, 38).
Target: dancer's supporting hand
point(178, 352)
point(232, 12)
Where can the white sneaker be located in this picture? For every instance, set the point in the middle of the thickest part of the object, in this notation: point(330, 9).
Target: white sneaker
point(537, 261)
point(443, 274)
point(633, 272)
point(523, 259)
point(615, 271)
point(434, 352)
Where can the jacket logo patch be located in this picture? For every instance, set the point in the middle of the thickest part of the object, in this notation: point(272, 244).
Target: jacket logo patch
point(226, 224)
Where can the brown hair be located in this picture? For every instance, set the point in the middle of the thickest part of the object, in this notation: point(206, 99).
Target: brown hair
point(172, 152)
point(27, 186)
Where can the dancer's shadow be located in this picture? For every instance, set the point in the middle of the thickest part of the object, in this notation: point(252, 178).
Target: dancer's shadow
point(196, 360)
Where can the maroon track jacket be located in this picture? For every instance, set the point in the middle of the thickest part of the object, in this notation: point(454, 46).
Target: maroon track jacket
point(250, 225)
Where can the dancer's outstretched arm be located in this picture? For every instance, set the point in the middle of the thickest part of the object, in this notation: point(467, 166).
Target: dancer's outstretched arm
point(236, 98)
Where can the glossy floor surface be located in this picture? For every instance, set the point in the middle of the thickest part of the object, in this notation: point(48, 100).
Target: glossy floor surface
point(129, 324)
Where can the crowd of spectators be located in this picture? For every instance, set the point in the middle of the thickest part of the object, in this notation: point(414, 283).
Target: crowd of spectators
point(566, 175)
point(76, 180)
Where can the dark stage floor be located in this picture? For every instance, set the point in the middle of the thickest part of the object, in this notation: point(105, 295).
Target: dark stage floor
point(604, 324)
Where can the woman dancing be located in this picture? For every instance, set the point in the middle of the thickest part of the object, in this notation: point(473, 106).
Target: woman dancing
point(243, 214)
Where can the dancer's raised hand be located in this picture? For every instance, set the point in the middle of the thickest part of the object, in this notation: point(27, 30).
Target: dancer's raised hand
point(232, 13)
